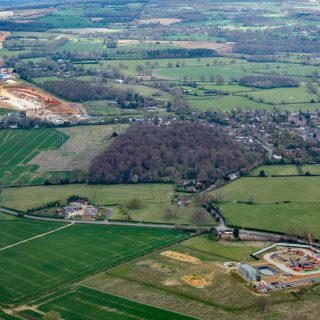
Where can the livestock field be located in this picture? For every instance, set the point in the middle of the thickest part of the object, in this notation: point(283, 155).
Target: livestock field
point(68, 253)
point(284, 204)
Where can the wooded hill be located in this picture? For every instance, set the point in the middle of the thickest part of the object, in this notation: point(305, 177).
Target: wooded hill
point(182, 150)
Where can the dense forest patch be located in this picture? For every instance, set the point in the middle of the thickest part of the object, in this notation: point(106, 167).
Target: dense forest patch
point(182, 150)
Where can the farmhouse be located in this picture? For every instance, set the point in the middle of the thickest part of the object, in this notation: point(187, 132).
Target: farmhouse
point(80, 210)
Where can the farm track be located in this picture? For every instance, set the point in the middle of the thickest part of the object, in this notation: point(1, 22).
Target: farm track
point(35, 237)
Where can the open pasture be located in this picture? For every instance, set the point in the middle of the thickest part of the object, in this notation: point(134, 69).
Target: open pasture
point(285, 204)
point(155, 198)
point(225, 103)
point(18, 147)
point(284, 95)
point(45, 263)
point(85, 303)
point(277, 170)
point(312, 169)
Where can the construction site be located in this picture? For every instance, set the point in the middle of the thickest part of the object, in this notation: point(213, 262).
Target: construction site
point(19, 96)
point(282, 266)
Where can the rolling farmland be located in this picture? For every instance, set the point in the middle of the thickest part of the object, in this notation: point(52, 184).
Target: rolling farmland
point(18, 147)
point(42, 264)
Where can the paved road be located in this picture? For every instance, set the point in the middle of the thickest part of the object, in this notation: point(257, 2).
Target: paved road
point(222, 226)
point(104, 222)
point(266, 147)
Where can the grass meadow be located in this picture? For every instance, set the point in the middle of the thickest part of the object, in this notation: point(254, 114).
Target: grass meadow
point(155, 199)
point(284, 204)
point(45, 263)
point(278, 170)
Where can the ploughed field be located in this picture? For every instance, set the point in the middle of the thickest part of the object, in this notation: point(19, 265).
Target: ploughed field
point(67, 253)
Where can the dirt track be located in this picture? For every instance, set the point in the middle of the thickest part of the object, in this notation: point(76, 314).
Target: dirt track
point(3, 35)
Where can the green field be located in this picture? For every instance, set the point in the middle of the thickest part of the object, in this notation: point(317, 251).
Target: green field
point(15, 230)
point(155, 199)
point(18, 147)
point(85, 304)
point(47, 262)
point(67, 21)
point(286, 204)
point(225, 103)
point(232, 251)
point(277, 170)
point(312, 169)
point(82, 46)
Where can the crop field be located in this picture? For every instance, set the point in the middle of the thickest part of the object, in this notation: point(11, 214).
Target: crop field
point(69, 253)
point(4, 316)
point(15, 230)
point(85, 303)
point(277, 170)
point(155, 198)
point(18, 147)
point(285, 204)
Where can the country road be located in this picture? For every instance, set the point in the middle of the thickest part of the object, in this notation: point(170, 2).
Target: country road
point(104, 222)
point(270, 236)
